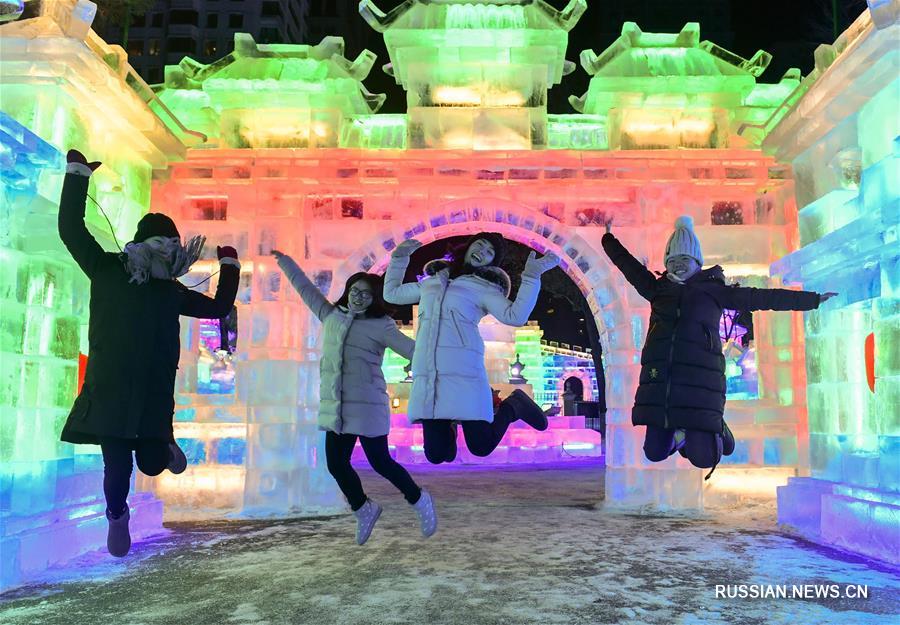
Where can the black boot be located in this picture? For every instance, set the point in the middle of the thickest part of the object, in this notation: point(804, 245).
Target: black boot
point(524, 408)
point(727, 440)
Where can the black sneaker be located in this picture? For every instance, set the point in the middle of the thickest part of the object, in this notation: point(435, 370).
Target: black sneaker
point(525, 409)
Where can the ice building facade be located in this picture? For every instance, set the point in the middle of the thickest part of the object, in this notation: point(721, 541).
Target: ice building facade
point(281, 147)
point(60, 86)
point(842, 139)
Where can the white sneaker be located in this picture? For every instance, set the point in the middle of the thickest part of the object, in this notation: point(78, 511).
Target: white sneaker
point(365, 520)
point(425, 511)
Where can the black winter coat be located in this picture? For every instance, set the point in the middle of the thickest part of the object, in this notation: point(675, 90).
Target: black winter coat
point(133, 335)
point(682, 381)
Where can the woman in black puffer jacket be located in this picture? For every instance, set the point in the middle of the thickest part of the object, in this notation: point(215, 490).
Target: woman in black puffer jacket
point(681, 392)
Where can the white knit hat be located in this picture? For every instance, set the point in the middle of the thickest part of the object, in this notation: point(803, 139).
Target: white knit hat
point(684, 241)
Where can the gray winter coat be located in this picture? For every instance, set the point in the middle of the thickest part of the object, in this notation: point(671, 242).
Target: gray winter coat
point(449, 377)
point(352, 390)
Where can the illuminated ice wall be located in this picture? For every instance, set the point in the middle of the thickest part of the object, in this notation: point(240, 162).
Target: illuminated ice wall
point(843, 141)
point(60, 85)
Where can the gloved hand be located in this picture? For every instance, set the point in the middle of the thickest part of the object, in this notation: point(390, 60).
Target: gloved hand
point(824, 297)
point(405, 249)
point(278, 254)
point(226, 252)
point(74, 156)
point(534, 266)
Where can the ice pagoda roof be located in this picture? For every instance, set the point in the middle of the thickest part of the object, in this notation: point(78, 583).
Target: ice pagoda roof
point(284, 75)
point(661, 65)
point(449, 32)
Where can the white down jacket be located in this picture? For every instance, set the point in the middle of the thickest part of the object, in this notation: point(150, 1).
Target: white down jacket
point(449, 377)
point(352, 390)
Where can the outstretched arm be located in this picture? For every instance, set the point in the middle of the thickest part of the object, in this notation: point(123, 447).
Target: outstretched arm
point(72, 230)
point(309, 292)
point(516, 313)
point(641, 278)
point(203, 307)
point(395, 292)
point(748, 298)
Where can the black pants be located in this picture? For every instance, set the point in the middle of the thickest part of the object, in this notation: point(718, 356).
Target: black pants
point(339, 448)
point(152, 457)
point(703, 449)
point(482, 437)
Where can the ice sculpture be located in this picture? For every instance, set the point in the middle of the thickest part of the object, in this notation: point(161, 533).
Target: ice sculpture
point(476, 74)
point(843, 141)
point(51, 501)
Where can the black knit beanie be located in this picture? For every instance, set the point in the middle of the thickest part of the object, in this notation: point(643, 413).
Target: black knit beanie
point(155, 225)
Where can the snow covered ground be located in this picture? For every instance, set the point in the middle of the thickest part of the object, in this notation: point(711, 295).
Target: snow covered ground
point(514, 547)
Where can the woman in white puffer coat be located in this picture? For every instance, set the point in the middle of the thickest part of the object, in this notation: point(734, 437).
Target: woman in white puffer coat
point(450, 381)
point(353, 401)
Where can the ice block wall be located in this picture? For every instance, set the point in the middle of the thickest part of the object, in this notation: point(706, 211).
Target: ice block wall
point(59, 92)
point(843, 140)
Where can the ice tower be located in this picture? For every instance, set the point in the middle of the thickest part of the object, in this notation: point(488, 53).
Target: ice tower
point(51, 502)
point(476, 74)
point(842, 138)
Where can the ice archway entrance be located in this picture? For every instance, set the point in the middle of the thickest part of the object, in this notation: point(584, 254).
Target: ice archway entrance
point(342, 211)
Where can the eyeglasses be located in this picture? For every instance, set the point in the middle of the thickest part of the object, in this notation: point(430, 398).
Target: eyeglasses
point(354, 292)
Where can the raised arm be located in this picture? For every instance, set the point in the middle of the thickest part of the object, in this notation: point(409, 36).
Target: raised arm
point(397, 341)
point(516, 313)
point(395, 292)
point(309, 292)
point(204, 307)
point(72, 230)
point(641, 278)
point(748, 298)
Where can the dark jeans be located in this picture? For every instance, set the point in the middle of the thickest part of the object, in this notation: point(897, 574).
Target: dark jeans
point(482, 437)
point(339, 448)
point(703, 449)
point(152, 457)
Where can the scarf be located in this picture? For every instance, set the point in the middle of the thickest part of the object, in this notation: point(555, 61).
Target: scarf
point(163, 258)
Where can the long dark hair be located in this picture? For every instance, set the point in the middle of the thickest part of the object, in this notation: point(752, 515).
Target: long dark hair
point(458, 266)
point(378, 307)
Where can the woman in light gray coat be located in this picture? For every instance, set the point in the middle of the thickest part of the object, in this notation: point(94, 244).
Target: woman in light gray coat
point(353, 401)
point(450, 381)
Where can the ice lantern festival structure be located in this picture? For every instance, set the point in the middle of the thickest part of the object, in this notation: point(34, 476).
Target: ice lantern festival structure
point(61, 85)
point(842, 138)
point(669, 125)
point(340, 206)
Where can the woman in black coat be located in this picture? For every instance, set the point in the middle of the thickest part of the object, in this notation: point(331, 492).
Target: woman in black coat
point(127, 401)
point(681, 391)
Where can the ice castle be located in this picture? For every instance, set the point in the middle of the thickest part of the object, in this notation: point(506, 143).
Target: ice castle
point(281, 146)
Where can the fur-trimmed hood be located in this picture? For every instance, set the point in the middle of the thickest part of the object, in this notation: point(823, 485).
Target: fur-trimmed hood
point(494, 275)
